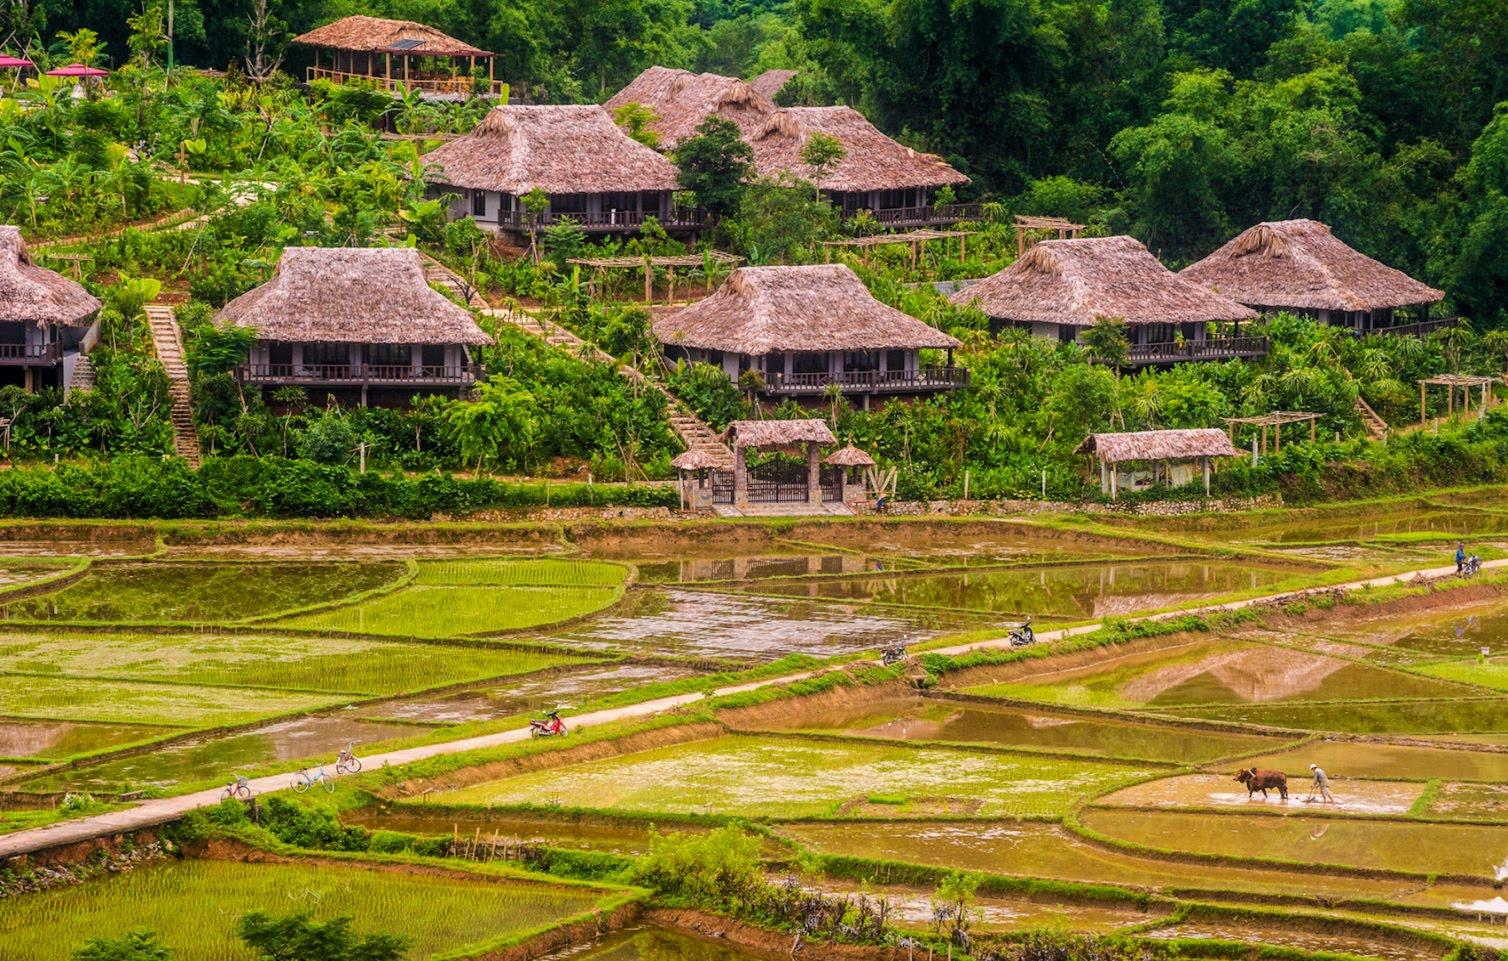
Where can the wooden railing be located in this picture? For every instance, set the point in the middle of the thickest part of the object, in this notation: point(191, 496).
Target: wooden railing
point(918, 216)
point(453, 85)
point(1215, 348)
point(879, 381)
point(30, 353)
point(1421, 329)
point(604, 220)
point(357, 374)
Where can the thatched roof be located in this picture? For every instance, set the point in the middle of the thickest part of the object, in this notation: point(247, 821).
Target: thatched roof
point(768, 84)
point(1300, 264)
point(817, 308)
point(850, 456)
point(379, 35)
point(1159, 445)
point(1078, 282)
point(873, 161)
point(778, 433)
point(361, 295)
point(681, 100)
point(557, 149)
point(697, 460)
point(35, 295)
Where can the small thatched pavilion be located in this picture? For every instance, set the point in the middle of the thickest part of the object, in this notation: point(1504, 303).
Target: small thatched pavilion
point(46, 320)
point(1299, 266)
point(595, 173)
point(1170, 456)
point(877, 174)
point(356, 320)
point(845, 459)
point(769, 83)
point(1060, 288)
point(697, 463)
point(805, 328)
point(394, 53)
point(774, 482)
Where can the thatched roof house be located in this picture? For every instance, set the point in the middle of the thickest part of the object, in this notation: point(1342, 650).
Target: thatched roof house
point(1299, 265)
point(558, 149)
point(36, 296)
point(772, 434)
point(363, 34)
point(769, 83)
point(681, 100)
point(873, 161)
point(352, 295)
point(1159, 445)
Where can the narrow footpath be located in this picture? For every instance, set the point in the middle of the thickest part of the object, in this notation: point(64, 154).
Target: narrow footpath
point(163, 810)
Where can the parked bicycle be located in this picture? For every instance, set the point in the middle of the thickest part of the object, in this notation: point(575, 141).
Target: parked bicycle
point(303, 781)
point(1022, 634)
point(347, 762)
point(240, 789)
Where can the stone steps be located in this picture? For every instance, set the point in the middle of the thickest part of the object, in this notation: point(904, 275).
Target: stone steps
point(1376, 427)
point(169, 350)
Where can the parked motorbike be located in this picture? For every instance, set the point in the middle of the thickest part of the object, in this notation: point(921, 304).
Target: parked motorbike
point(894, 654)
point(1472, 567)
point(549, 727)
point(1022, 634)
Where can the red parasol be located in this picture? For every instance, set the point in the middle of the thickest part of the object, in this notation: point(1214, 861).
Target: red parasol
point(8, 61)
point(78, 70)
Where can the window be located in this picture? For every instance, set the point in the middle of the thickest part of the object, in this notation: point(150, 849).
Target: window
point(433, 355)
point(810, 364)
point(280, 354)
point(13, 333)
point(479, 203)
point(327, 355)
point(649, 202)
point(388, 355)
point(895, 360)
point(567, 204)
point(1067, 334)
point(894, 199)
point(715, 358)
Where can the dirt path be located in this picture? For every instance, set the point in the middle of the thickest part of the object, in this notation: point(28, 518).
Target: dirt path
point(162, 810)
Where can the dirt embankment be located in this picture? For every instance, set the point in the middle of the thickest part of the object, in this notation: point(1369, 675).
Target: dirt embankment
point(771, 945)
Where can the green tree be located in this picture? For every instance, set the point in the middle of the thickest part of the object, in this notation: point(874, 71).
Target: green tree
point(822, 152)
point(779, 222)
point(135, 946)
point(637, 121)
point(713, 166)
point(499, 425)
point(297, 937)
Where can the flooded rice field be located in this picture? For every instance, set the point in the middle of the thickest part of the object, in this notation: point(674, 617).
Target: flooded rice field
point(1291, 935)
point(58, 740)
point(968, 722)
point(1223, 791)
point(1422, 716)
point(662, 944)
point(1360, 759)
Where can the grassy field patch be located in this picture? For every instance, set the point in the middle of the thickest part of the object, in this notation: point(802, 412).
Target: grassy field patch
point(132, 702)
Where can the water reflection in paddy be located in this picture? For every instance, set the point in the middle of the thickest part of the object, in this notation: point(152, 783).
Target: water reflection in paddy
point(62, 739)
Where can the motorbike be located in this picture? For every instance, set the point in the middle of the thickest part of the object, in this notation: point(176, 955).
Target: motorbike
point(1472, 566)
point(893, 654)
point(1022, 634)
point(550, 727)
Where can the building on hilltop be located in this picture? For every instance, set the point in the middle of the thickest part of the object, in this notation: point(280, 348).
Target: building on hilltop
point(889, 180)
point(805, 328)
point(47, 322)
point(1300, 267)
point(1060, 288)
point(361, 324)
point(397, 53)
point(594, 173)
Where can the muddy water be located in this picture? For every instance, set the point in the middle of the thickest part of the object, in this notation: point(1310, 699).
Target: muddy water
point(933, 719)
point(1209, 672)
point(685, 623)
point(752, 567)
point(1474, 801)
point(64, 543)
point(1090, 590)
point(524, 694)
point(1223, 791)
point(1375, 717)
point(1476, 850)
point(1293, 936)
point(1348, 759)
point(12, 575)
point(1447, 523)
point(55, 740)
point(661, 944)
point(1047, 851)
point(209, 758)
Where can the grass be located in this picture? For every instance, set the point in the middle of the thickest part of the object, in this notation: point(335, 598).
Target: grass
point(469, 597)
point(193, 906)
point(130, 702)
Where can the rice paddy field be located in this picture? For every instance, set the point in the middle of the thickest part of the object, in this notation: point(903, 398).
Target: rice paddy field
point(1089, 789)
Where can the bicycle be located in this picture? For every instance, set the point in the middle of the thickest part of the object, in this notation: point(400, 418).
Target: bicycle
point(304, 781)
point(239, 788)
point(347, 762)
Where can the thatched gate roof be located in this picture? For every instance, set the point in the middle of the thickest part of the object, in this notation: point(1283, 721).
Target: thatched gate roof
point(1301, 264)
point(557, 149)
point(778, 433)
point(1159, 445)
point(817, 308)
point(379, 35)
point(353, 295)
point(35, 295)
point(1078, 282)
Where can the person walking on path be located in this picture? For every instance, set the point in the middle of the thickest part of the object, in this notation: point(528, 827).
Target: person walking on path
point(1460, 557)
point(1321, 784)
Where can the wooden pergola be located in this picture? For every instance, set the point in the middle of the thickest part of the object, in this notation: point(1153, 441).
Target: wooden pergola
point(1452, 383)
point(1275, 420)
point(1065, 230)
point(916, 238)
point(648, 264)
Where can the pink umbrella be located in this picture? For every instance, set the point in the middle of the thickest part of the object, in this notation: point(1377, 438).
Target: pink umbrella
point(8, 61)
point(77, 70)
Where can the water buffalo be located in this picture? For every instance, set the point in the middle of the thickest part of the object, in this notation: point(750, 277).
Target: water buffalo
point(1256, 780)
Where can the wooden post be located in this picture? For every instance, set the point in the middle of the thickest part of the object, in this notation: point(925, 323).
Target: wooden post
point(1312, 422)
point(1104, 477)
point(649, 282)
point(1450, 400)
point(491, 83)
point(963, 248)
point(670, 273)
point(1020, 241)
point(387, 71)
point(1112, 482)
point(1421, 403)
point(740, 476)
point(1277, 438)
point(813, 474)
point(1264, 438)
point(1206, 476)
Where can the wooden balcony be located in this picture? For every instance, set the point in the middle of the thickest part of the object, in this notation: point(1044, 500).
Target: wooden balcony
point(31, 355)
point(454, 86)
point(869, 381)
point(1216, 348)
point(1422, 329)
point(357, 375)
point(611, 221)
point(920, 216)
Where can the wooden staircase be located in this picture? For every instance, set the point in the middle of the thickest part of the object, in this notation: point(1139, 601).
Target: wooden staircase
point(437, 273)
point(1376, 427)
point(169, 348)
